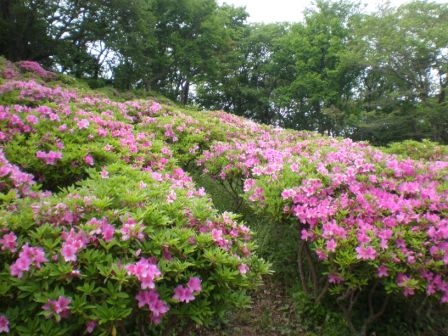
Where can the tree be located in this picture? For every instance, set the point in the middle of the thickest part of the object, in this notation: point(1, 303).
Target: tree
point(317, 72)
point(402, 89)
point(23, 28)
point(247, 78)
point(192, 37)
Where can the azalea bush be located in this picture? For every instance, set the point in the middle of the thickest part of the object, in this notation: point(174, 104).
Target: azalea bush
point(101, 231)
point(118, 252)
point(425, 149)
point(368, 222)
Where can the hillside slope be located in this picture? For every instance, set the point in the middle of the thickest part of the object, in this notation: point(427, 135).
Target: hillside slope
point(102, 227)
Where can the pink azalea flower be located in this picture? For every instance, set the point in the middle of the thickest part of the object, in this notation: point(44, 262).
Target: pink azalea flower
point(32, 119)
point(83, 124)
point(331, 245)
point(131, 229)
point(104, 174)
point(145, 271)
point(9, 242)
point(158, 308)
point(194, 284)
point(4, 324)
point(20, 266)
point(88, 159)
point(243, 268)
point(334, 278)
point(90, 327)
point(155, 107)
point(68, 251)
point(146, 298)
point(28, 256)
point(59, 307)
point(183, 294)
point(383, 271)
point(288, 193)
point(366, 253)
point(49, 158)
point(171, 196)
point(108, 232)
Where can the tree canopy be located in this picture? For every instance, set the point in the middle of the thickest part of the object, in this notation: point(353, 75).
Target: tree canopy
point(378, 76)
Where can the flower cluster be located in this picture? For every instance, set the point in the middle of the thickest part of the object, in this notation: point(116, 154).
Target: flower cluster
point(156, 306)
point(27, 257)
point(49, 158)
point(36, 68)
point(58, 308)
point(12, 177)
point(4, 324)
point(9, 242)
point(145, 271)
point(185, 294)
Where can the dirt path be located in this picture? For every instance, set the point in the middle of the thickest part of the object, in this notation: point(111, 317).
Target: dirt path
point(272, 313)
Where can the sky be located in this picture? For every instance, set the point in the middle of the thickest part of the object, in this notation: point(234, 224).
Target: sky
point(288, 10)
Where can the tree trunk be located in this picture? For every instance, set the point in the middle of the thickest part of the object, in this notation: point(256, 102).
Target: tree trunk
point(6, 9)
point(443, 88)
point(185, 92)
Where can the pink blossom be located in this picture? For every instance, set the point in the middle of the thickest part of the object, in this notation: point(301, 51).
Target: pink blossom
point(20, 266)
point(166, 253)
point(4, 324)
point(194, 284)
point(49, 158)
point(335, 278)
point(331, 245)
point(88, 159)
point(28, 256)
point(146, 298)
point(32, 119)
point(158, 308)
point(155, 107)
point(145, 271)
point(68, 251)
point(183, 294)
point(131, 229)
point(83, 124)
point(104, 174)
point(243, 268)
point(9, 242)
point(171, 196)
point(59, 307)
point(90, 327)
point(108, 231)
point(366, 253)
point(34, 67)
point(288, 193)
point(151, 299)
point(383, 271)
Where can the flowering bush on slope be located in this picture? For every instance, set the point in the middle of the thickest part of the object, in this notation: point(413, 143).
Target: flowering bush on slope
point(117, 252)
point(131, 245)
point(372, 220)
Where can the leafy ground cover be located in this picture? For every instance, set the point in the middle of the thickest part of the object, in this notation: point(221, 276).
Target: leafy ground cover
point(107, 225)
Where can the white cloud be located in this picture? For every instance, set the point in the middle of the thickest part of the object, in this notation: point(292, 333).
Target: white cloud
point(288, 10)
